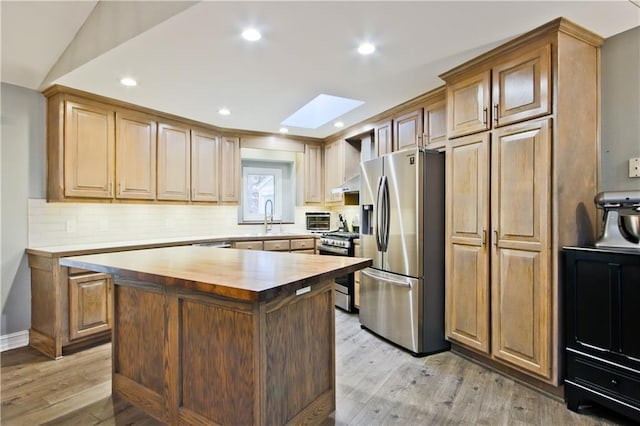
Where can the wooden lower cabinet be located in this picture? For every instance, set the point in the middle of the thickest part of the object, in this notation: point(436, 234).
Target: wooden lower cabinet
point(68, 310)
point(248, 245)
point(200, 359)
point(89, 304)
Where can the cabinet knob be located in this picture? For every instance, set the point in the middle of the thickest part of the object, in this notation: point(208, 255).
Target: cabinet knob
point(614, 382)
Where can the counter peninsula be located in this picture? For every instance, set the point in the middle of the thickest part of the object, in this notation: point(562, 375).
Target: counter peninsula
point(207, 335)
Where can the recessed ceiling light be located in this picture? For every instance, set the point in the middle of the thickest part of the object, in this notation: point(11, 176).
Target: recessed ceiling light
point(284, 130)
point(338, 124)
point(128, 81)
point(251, 34)
point(366, 48)
point(224, 111)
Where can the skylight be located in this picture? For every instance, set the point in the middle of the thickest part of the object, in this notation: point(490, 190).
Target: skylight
point(322, 109)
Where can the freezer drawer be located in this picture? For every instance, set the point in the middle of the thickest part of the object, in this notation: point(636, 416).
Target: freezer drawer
point(390, 307)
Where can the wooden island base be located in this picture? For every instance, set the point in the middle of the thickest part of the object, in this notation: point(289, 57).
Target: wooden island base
point(187, 357)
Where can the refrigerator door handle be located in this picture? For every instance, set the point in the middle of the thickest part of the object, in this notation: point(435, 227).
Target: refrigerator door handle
point(386, 213)
point(399, 283)
point(378, 212)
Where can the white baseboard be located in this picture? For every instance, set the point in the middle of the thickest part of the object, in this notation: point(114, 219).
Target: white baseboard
point(14, 340)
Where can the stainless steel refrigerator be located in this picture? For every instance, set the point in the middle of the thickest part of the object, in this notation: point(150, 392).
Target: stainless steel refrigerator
point(402, 230)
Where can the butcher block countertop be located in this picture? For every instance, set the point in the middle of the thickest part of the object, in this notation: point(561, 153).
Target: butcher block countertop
point(246, 275)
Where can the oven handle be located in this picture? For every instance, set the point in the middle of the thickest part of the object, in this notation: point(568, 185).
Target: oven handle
point(385, 278)
point(335, 250)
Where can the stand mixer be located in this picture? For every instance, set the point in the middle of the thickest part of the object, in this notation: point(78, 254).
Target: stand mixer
point(621, 216)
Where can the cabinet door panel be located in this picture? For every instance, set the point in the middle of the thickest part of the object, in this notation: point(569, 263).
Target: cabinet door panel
point(135, 156)
point(407, 130)
point(205, 166)
point(89, 305)
point(174, 162)
point(435, 124)
point(467, 259)
point(88, 151)
point(522, 87)
point(629, 303)
point(334, 171)
point(230, 174)
point(383, 138)
point(521, 289)
point(313, 174)
point(468, 105)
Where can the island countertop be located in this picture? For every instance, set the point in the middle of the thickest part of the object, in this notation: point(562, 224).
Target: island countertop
point(247, 275)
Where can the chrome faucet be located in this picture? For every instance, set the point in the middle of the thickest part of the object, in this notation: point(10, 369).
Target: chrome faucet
point(268, 219)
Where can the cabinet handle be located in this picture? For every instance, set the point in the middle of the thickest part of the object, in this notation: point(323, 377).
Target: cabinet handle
point(484, 237)
point(495, 237)
point(495, 113)
point(485, 113)
point(614, 382)
point(110, 187)
point(119, 188)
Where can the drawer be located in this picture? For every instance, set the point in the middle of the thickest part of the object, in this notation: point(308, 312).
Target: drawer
point(303, 244)
point(276, 245)
point(248, 245)
point(604, 377)
point(78, 271)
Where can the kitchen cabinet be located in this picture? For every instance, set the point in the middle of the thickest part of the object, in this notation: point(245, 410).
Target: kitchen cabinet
point(407, 130)
point(90, 310)
point(383, 138)
point(517, 88)
point(333, 170)
point(276, 245)
point(601, 329)
point(312, 174)
point(435, 125)
point(248, 245)
point(519, 187)
point(230, 174)
point(174, 162)
point(135, 155)
point(303, 245)
point(89, 149)
point(205, 166)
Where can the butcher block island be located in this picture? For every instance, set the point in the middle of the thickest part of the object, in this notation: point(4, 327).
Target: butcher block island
point(207, 335)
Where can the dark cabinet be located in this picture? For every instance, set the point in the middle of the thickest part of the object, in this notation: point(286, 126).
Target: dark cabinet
point(602, 329)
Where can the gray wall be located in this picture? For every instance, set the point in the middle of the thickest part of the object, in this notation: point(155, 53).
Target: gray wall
point(23, 175)
point(23, 161)
point(620, 131)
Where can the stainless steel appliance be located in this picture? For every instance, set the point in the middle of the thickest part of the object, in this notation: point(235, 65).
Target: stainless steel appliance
point(621, 219)
point(318, 221)
point(341, 244)
point(402, 230)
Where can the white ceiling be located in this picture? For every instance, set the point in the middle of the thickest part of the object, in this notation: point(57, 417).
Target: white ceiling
point(190, 60)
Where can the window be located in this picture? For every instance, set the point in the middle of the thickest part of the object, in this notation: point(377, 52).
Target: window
point(264, 182)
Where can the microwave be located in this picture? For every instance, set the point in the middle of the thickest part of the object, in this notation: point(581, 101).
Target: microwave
point(318, 221)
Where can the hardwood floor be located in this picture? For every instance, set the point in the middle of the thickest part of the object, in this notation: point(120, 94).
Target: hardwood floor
point(377, 384)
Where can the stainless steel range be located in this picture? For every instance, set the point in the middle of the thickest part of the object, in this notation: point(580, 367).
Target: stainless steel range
point(341, 244)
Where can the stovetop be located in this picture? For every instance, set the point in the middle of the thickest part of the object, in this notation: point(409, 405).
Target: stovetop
point(343, 235)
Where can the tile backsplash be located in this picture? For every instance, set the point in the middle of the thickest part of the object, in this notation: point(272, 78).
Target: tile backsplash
point(56, 224)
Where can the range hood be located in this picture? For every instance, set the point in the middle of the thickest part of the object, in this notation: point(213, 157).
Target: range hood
point(351, 185)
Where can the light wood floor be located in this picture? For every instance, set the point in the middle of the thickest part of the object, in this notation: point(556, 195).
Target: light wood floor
point(377, 384)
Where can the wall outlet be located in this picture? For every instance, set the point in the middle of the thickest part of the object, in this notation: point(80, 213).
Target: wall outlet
point(71, 225)
point(634, 167)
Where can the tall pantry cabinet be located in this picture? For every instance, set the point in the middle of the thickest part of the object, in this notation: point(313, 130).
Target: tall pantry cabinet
point(521, 176)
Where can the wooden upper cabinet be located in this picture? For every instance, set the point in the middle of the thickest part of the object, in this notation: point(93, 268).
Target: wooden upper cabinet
point(89, 149)
point(468, 103)
point(313, 173)
point(230, 170)
point(205, 166)
point(407, 130)
point(467, 300)
point(135, 156)
point(435, 125)
point(174, 162)
point(383, 138)
point(333, 171)
point(522, 87)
